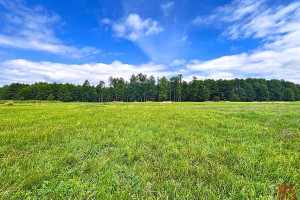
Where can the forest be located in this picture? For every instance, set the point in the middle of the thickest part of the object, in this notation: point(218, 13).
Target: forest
point(142, 88)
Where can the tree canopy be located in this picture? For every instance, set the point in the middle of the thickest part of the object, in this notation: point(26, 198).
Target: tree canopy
point(142, 88)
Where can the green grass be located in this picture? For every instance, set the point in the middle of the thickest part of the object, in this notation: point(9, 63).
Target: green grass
point(148, 150)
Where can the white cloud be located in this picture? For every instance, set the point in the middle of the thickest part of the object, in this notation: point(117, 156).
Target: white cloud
point(236, 10)
point(133, 27)
point(267, 64)
point(259, 64)
point(254, 19)
point(223, 63)
point(166, 7)
point(214, 75)
point(278, 27)
point(106, 21)
point(25, 71)
point(33, 29)
point(177, 62)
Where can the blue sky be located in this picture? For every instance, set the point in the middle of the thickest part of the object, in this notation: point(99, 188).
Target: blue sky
point(74, 40)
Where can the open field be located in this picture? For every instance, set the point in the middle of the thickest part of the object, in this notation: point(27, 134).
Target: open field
point(148, 150)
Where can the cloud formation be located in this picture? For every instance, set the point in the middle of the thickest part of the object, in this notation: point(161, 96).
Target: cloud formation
point(278, 27)
point(33, 29)
point(133, 27)
point(25, 71)
point(166, 7)
point(177, 62)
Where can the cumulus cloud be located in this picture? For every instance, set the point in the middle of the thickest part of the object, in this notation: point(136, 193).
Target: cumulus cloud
point(267, 64)
point(25, 71)
point(134, 27)
point(236, 66)
point(278, 28)
point(166, 7)
point(33, 29)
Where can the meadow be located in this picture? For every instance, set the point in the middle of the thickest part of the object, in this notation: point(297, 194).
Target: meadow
point(211, 150)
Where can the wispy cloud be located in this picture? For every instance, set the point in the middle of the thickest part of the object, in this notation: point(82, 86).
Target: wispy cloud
point(236, 10)
point(178, 62)
point(166, 7)
point(133, 27)
point(278, 28)
point(34, 29)
point(106, 21)
point(248, 19)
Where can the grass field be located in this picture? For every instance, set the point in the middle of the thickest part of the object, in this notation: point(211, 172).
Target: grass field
point(148, 150)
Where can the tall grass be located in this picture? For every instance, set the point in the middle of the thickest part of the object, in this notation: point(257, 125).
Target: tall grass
point(148, 150)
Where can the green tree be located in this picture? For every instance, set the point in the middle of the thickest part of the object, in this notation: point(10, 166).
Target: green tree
point(241, 94)
point(163, 89)
point(86, 91)
point(10, 92)
point(275, 88)
point(261, 90)
point(216, 99)
point(175, 88)
point(293, 86)
point(234, 96)
point(93, 94)
point(287, 95)
point(24, 94)
point(249, 92)
point(50, 97)
point(55, 89)
point(185, 91)
point(151, 88)
point(64, 94)
point(118, 86)
point(75, 92)
point(297, 95)
point(132, 88)
point(213, 88)
point(142, 86)
point(4, 95)
point(193, 89)
point(107, 94)
point(225, 88)
point(100, 91)
point(203, 92)
point(44, 90)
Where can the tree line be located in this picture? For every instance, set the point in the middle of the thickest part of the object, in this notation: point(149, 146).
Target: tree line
point(142, 88)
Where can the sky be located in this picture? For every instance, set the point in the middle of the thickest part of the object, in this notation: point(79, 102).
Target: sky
point(74, 40)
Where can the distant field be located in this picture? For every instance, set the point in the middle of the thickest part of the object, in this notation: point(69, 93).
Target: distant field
point(148, 150)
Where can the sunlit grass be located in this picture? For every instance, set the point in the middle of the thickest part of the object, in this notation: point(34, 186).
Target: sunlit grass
point(148, 150)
